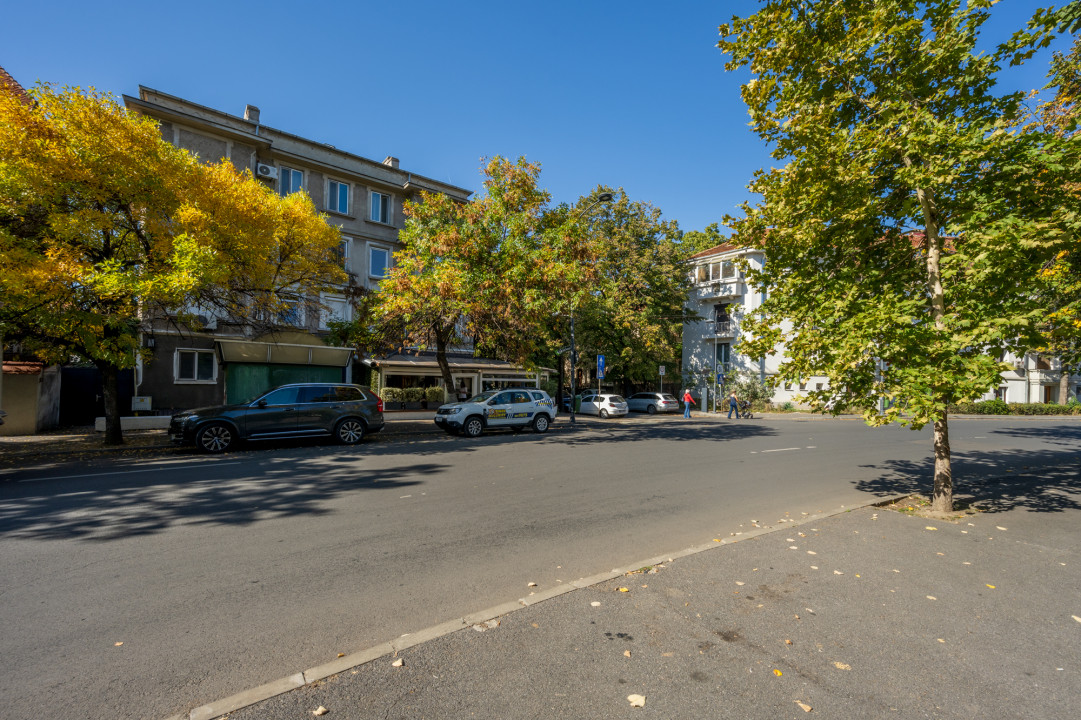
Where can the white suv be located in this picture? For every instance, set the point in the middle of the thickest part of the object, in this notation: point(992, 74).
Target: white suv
point(514, 408)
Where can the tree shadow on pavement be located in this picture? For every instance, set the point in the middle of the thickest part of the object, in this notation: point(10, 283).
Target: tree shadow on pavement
point(1040, 481)
point(113, 506)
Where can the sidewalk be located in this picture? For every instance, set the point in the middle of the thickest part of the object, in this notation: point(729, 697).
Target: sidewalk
point(869, 613)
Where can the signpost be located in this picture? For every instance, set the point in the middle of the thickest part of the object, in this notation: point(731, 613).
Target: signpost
point(660, 374)
point(600, 372)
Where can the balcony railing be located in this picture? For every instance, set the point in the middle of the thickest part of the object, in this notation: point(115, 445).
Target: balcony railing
point(722, 328)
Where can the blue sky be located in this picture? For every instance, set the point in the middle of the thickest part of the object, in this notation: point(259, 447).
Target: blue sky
point(630, 94)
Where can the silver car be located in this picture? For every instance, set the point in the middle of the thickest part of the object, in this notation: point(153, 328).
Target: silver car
point(653, 402)
point(604, 405)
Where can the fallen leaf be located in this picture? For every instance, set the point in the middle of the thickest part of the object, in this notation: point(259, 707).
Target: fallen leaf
point(536, 625)
point(595, 604)
point(991, 586)
point(624, 590)
point(532, 584)
point(667, 654)
point(118, 644)
point(341, 654)
point(793, 547)
point(999, 527)
point(842, 666)
point(626, 653)
point(804, 706)
point(787, 641)
point(930, 528)
point(396, 663)
point(931, 597)
point(320, 711)
point(1078, 619)
point(814, 567)
point(811, 552)
point(716, 539)
point(637, 700)
point(739, 583)
point(777, 672)
point(941, 640)
point(838, 572)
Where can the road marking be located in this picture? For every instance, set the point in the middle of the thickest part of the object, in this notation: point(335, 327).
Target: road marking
point(403, 497)
point(780, 450)
point(811, 447)
point(121, 472)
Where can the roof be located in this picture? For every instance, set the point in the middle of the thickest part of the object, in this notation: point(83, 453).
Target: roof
point(13, 85)
point(716, 250)
point(23, 368)
point(426, 359)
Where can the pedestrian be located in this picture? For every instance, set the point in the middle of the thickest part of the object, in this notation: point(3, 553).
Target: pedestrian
point(687, 402)
point(733, 405)
point(463, 394)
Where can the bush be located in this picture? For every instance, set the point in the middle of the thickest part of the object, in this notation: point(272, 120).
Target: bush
point(998, 407)
point(413, 395)
point(435, 394)
point(391, 394)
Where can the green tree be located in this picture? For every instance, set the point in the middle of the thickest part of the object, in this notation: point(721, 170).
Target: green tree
point(103, 224)
point(695, 241)
point(490, 272)
point(633, 313)
point(908, 205)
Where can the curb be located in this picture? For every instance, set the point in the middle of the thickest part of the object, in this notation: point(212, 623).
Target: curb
point(281, 686)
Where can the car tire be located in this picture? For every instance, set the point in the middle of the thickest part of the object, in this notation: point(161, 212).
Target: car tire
point(652, 409)
point(215, 438)
point(473, 427)
point(541, 423)
point(349, 431)
point(603, 414)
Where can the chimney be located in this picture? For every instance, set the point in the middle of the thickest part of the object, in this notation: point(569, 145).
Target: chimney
point(391, 161)
point(251, 114)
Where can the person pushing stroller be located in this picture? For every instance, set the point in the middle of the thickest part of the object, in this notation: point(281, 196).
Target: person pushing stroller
point(733, 405)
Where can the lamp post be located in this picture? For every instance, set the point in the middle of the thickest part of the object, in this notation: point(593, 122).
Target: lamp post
point(601, 198)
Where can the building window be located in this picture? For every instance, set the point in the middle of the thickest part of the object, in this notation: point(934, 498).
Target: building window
point(290, 181)
point(716, 271)
point(195, 366)
point(343, 251)
point(291, 314)
point(336, 310)
point(338, 197)
point(379, 261)
point(380, 208)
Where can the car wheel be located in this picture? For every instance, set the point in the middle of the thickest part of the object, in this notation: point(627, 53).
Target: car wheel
point(540, 423)
point(350, 431)
point(215, 438)
point(652, 409)
point(603, 413)
point(473, 427)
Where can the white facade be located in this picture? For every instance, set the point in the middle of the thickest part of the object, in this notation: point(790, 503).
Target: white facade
point(721, 297)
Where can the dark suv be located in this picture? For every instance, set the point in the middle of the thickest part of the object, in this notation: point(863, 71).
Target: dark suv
point(346, 412)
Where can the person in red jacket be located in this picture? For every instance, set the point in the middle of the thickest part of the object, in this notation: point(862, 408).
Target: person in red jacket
point(687, 402)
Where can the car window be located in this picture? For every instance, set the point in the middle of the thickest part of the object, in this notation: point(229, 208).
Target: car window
point(666, 396)
point(281, 396)
point(348, 393)
point(315, 394)
point(520, 397)
point(502, 399)
point(539, 396)
point(481, 397)
point(639, 396)
point(615, 399)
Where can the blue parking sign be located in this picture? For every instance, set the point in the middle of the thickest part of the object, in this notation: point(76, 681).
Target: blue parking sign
point(600, 367)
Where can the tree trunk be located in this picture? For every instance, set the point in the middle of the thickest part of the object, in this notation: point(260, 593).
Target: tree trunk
point(444, 366)
point(943, 497)
point(1063, 384)
point(110, 389)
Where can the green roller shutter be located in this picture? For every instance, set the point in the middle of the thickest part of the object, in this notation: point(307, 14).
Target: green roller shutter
point(244, 381)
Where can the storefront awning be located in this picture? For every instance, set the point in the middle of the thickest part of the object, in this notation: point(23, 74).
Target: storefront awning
point(246, 351)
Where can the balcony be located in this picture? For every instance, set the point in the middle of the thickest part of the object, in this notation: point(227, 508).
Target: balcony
point(720, 329)
point(725, 289)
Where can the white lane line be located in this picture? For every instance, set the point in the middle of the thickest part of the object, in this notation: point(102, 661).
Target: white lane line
point(780, 450)
point(121, 472)
point(811, 447)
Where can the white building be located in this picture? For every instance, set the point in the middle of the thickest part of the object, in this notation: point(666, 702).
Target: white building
point(721, 298)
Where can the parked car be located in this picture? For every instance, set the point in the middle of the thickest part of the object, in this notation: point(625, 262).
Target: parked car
point(345, 412)
point(652, 402)
point(604, 405)
point(514, 408)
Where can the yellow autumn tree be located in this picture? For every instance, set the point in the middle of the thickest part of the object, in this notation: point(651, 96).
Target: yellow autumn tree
point(103, 223)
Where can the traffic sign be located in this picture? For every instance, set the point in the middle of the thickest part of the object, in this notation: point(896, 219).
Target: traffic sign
point(660, 371)
point(600, 367)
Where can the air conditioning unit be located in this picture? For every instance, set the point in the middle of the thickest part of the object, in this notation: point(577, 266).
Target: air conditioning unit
point(1019, 366)
point(266, 172)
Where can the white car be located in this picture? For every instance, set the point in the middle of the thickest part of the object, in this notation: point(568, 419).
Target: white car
point(604, 405)
point(514, 408)
point(653, 402)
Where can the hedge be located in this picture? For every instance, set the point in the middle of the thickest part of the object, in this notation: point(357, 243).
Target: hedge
point(998, 407)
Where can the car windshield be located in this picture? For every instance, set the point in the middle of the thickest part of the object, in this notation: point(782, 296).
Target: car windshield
point(615, 399)
point(483, 396)
point(666, 396)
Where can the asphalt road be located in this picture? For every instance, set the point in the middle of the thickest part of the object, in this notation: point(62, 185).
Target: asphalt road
point(142, 589)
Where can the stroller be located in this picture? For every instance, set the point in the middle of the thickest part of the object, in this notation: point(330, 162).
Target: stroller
point(744, 407)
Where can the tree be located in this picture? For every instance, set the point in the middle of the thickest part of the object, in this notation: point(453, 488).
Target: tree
point(633, 313)
point(698, 240)
point(103, 225)
point(909, 205)
point(491, 271)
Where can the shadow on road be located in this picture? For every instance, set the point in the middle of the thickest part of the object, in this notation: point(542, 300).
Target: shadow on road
point(1041, 481)
point(124, 503)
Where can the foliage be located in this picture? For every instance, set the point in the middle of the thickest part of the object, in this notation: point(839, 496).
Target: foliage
point(490, 271)
point(413, 394)
point(435, 394)
point(632, 312)
point(999, 407)
point(695, 241)
point(907, 205)
point(391, 394)
point(748, 386)
point(103, 223)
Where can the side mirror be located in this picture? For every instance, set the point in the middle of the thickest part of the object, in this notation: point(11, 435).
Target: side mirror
point(261, 403)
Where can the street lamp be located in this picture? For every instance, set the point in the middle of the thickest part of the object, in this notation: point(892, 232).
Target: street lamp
point(601, 198)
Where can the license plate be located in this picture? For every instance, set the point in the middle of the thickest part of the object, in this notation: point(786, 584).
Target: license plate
point(439, 419)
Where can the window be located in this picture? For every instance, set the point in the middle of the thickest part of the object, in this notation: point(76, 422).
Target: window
point(336, 309)
point(290, 181)
point(343, 250)
point(380, 208)
point(291, 314)
point(281, 396)
point(723, 352)
point(338, 197)
point(379, 261)
point(195, 366)
point(716, 271)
